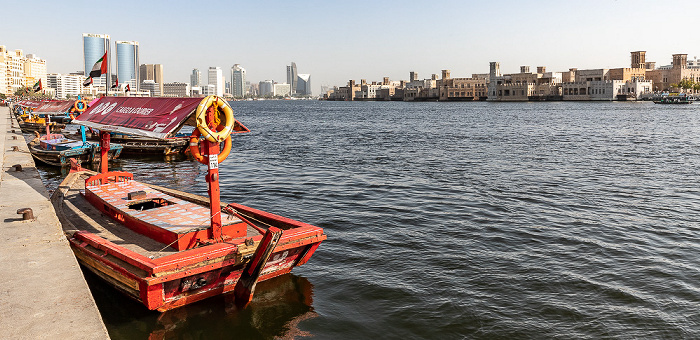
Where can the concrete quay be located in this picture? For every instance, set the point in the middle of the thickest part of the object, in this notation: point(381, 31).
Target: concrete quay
point(42, 290)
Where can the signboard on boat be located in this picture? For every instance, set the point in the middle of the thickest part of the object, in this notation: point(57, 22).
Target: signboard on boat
point(147, 117)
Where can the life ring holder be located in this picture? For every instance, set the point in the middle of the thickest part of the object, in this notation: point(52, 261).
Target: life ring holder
point(203, 125)
point(194, 148)
point(80, 108)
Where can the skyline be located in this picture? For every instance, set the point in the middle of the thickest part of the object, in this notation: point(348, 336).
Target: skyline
point(370, 40)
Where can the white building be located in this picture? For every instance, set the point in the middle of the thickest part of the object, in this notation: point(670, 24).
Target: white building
point(65, 85)
point(216, 78)
point(281, 90)
point(209, 90)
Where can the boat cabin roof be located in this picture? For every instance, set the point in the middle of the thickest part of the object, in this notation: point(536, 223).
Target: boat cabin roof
point(55, 107)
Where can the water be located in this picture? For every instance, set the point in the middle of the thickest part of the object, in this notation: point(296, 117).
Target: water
point(456, 220)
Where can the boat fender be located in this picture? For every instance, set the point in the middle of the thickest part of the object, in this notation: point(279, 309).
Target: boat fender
point(194, 148)
point(72, 116)
point(80, 105)
point(203, 125)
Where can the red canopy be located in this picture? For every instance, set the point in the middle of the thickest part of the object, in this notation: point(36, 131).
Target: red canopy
point(55, 107)
point(147, 117)
point(29, 103)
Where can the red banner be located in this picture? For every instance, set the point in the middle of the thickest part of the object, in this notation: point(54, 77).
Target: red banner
point(62, 106)
point(148, 117)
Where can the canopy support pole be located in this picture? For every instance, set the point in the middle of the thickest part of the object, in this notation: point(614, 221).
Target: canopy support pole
point(211, 151)
point(104, 150)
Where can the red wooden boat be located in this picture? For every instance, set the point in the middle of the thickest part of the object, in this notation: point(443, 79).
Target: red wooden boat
point(164, 247)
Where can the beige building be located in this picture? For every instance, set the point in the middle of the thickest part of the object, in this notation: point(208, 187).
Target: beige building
point(524, 86)
point(462, 89)
point(152, 72)
point(663, 77)
point(13, 69)
point(34, 69)
point(176, 89)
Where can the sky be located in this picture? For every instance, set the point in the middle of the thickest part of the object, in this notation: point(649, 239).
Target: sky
point(337, 41)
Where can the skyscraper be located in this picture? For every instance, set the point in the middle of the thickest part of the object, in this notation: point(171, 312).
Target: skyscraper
point(238, 81)
point(215, 78)
point(151, 72)
point(304, 84)
point(128, 62)
point(292, 76)
point(94, 47)
point(196, 78)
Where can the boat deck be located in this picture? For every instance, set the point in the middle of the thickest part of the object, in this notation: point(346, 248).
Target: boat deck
point(81, 215)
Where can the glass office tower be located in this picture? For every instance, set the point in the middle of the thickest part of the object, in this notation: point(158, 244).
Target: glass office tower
point(127, 62)
point(94, 47)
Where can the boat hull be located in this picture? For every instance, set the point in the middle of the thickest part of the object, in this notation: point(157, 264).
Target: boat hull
point(28, 127)
point(62, 158)
point(163, 278)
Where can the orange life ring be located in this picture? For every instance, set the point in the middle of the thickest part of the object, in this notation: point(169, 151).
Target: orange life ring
point(80, 108)
point(194, 147)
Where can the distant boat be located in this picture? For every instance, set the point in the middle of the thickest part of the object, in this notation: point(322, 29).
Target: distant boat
point(677, 99)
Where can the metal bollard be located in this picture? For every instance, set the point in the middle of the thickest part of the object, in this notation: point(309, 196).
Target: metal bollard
point(15, 148)
point(27, 213)
point(18, 167)
point(14, 137)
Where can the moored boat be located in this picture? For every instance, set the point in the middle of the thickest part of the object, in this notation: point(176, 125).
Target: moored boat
point(167, 248)
point(57, 150)
point(675, 99)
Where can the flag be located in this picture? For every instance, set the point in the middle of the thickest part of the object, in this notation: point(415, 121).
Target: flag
point(88, 81)
point(128, 88)
point(116, 83)
point(37, 86)
point(100, 67)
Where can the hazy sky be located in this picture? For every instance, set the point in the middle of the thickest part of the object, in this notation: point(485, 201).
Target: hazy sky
point(336, 41)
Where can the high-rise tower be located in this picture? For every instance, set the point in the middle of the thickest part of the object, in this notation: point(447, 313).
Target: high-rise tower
point(196, 78)
point(215, 76)
point(238, 81)
point(127, 62)
point(152, 72)
point(292, 76)
point(94, 47)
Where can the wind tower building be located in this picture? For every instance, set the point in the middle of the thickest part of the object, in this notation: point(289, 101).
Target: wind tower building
point(94, 47)
point(128, 63)
point(292, 76)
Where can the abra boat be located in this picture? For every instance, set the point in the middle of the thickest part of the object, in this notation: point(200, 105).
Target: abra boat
point(54, 113)
point(167, 248)
point(675, 99)
point(57, 150)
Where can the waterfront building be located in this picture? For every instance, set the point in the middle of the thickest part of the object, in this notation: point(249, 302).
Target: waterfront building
point(66, 86)
point(524, 86)
point(606, 90)
point(265, 88)
point(281, 90)
point(303, 85)
point(128, 63)
point(461, 89)
point(292, 76)
point(196, 78)
point(680, 69)
point(94, 47)
point(215, 77)
point(238, 81)
point(152, 72)
point(176, 89)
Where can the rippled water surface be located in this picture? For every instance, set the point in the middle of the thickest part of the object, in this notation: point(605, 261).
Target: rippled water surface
point(456, 220)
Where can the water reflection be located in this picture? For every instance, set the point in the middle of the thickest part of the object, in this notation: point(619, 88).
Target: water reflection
point(275, 312)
